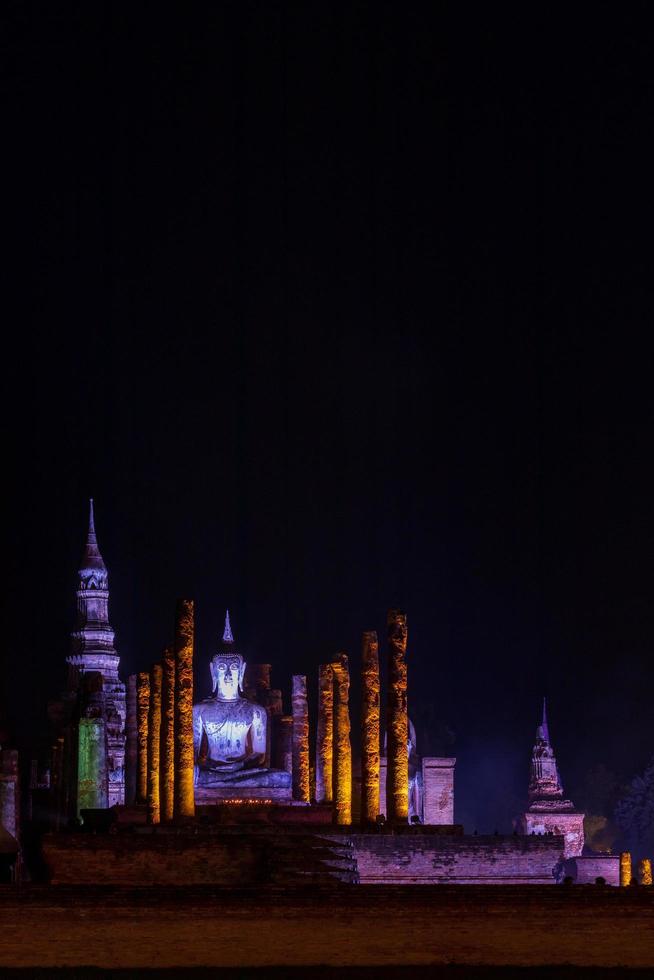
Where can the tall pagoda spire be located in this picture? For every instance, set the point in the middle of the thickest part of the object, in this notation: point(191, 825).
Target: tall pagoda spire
point(545, 782)
point(228, 636)
point(93, 652)
point(545, 730)
point(94, 635)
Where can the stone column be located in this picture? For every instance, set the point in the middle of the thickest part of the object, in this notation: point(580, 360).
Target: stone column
point(154, 745)
point(369, 728)
point(325, 735)
point(342, 746)
point(644, 871)
point(300, 739)
point(184, 806)
point(131, 745)
point(272, 700)
point(625, 868)
point(92, 786)
point(167, 787)
point(142, 710)
point(284, 756)
point(397, 726)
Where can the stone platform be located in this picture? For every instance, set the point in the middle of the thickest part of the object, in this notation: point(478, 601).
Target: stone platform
point(226, 846)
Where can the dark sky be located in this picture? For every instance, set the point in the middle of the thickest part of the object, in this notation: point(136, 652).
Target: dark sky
point(335, 307)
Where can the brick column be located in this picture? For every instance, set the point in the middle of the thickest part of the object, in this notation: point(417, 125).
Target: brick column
point(142, 710)
point(154, 747)
point(644, 871)
point(342, 746)
point(369, 728)
point(397, 728)
point(300, 739)
point(625, 868)
point(184, 805)
point(131, 743)
point(167, 788)
point(325, 735)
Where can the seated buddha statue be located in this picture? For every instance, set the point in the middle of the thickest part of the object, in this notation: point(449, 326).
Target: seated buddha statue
point(230, 732)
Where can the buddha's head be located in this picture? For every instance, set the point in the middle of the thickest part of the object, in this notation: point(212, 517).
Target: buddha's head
point(227, 670)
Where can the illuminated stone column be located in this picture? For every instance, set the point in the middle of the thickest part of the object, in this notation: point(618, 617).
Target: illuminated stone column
point(142, 711)
point(131, 746)
point(369, 728)
point(184, 806)
point(168, 735)
point(342, 746)
point(325, 735)
point(397, 729)
point(625, 868)
point(154, 745)
point(644, 871)
point(300, 739)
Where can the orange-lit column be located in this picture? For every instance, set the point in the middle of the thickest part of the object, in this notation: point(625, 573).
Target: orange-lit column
point(644, 871)
point(184, 806)
point(131, 743)
point(300, 739)
point(142, 711)
point(625, 868)
point(369, 728)
point(342, 746)
point(397, 726)
point(154, 746)
point(168, 735)
point(325, 735)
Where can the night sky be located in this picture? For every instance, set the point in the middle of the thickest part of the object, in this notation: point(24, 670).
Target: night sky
point(333, 308)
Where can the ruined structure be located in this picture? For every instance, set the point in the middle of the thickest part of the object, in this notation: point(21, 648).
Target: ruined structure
point(88, 758)
point(184, 801)
point(342, 747)
point(300, 739)
point(397, 722)
point(548, 811)
point(154, 745)
point(325, 734)
point(370, 734)
point(167, 776)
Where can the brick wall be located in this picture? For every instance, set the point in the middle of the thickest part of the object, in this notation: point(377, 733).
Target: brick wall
point(584, 870)
point(431, 859)
point(152, 859)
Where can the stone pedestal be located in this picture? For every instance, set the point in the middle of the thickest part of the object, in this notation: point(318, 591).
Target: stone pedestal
point(555, 819)
point(438, 790)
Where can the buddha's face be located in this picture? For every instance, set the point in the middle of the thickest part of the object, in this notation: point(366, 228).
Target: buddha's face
point(227, 675)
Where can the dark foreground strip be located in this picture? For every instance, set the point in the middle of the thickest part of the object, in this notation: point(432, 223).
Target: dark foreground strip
point(341, 973)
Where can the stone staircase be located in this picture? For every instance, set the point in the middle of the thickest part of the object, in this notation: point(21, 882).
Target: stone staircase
point(310, 859)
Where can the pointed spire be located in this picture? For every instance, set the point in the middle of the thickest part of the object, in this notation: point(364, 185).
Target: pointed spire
point(546, 731)
point(92, 559)
point(227, 634)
